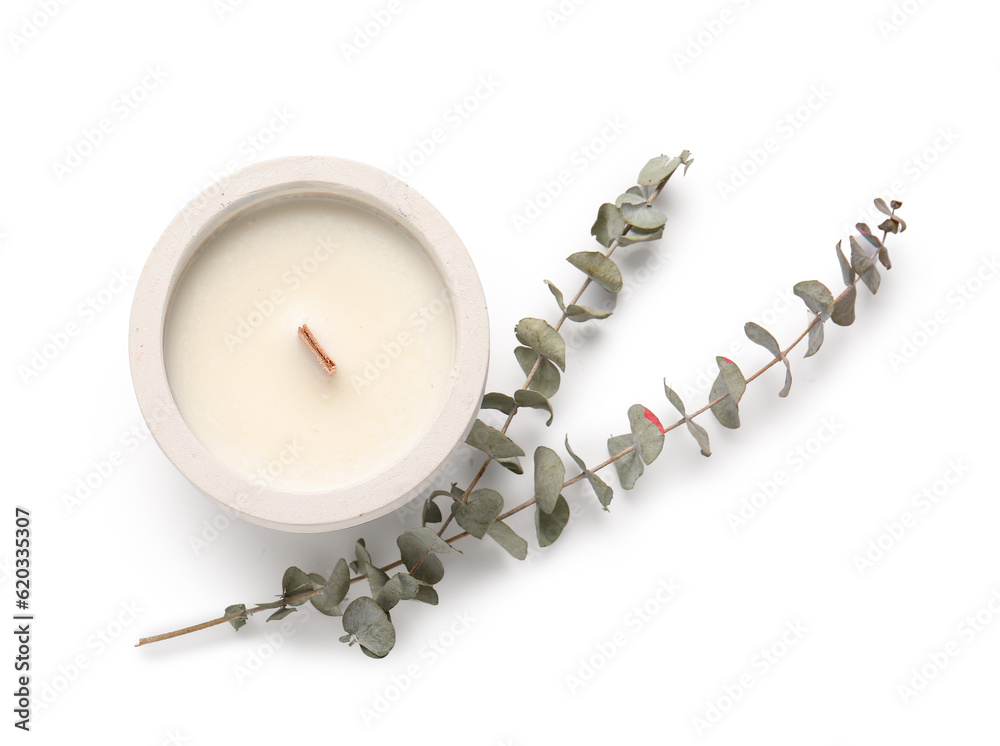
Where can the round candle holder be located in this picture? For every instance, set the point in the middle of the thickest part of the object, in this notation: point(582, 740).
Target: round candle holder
point(193, 227)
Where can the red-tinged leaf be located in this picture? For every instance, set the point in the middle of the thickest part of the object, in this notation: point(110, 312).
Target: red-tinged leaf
point(655, 420)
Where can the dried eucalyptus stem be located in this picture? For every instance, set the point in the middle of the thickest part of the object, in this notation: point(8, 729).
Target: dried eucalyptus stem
point(631, 219)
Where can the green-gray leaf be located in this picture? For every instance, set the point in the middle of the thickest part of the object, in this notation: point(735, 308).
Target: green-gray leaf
point(674, 399)
point(643, 216)
point(881, 206)
point(557, 294)
point(376, 578)
point(426, 594)
point(281, 614)
point(294, 583)
point(500, 402)
point(478, 513)
point(648, 438)
point(533, 400)
point(640, 236)
point(580, 313)
point(539, 336)
point(546, 379)
point(658, 169)
point(845, 266)
point(400, 587)
point(504, 535)
point(604, 492)
point(365, 621)
point(238, 614)
point(864, 265)
point(550, 475)
point(816, 296)
point(431, 513)
point(843, 310)
point(701, 436)
point(334, 590)
point(429, 539)
point(512, 464)
point(629, 466)
point(417, 542)
point(362, 557)
point(759, 335)
point(492, 442)
point(731, 384)
point(609, 225)
point(548, 526)
point(632, 196)
point(815, 338)
point(598, 268)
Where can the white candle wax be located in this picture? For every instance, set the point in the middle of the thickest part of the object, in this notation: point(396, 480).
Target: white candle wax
point(253, 393)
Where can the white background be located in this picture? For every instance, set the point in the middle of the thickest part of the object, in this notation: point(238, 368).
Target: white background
point(908, 110)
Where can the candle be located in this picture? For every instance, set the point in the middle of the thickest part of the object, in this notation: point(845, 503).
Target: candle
point(309, 347)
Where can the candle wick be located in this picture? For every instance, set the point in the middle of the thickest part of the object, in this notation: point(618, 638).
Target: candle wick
point(310, 341)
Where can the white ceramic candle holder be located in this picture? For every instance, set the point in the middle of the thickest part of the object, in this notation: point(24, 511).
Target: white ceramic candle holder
point(309, 177)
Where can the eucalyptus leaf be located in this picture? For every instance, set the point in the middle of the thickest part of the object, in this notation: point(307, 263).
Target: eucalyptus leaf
point(546, 379)
point(701, 436)
point(419, 542)
point(400, 587)
point(843, 310)
point(861, 262)
point(580, 313)
point(412, 547)
point(658, 169)
point(426, 594)
point(550, 475)
point(883, 257)
point(492, 442)
point(889, 225)
point(539, 336)
point(731, 384)
point(881, 206)
point(477, 513)
point(788, 378)
point(238, 614)
point(647, 432)
point(549, 526)
point(896, 204)
point(643, 216)
point(761, 336)
point(598, 268)
point(512, 464)
point(294, 583)
point(674, 399)
point(281, 614)
point(504, 535)
point(362, 557)
point(500, 402)
point(632, 196)
point(558, 295)
point(872, 279)
point(815, 338)
point(846, 270)
point(533, 400)
point(376, 578)
point(604, 492)
point(609, 225)
point(429, 539)
point(629, 467)
point(334, 590)
point(816, 296)
point(431, 512)
point(640, 236)
point(366, 622)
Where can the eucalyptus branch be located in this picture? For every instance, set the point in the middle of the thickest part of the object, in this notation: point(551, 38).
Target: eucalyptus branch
point(480, 512)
